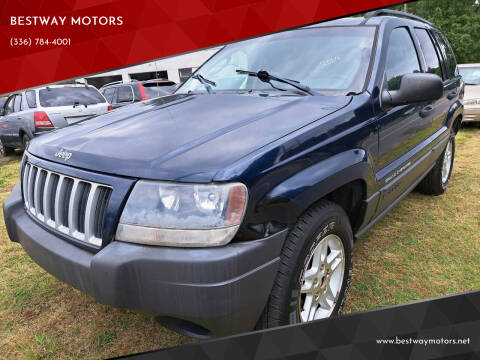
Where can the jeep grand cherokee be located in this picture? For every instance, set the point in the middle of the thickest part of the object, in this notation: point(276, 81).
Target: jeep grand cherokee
point(234, 203)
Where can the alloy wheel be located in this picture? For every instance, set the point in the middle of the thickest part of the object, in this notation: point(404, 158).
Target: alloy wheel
point(321, 279)
point(447, 162)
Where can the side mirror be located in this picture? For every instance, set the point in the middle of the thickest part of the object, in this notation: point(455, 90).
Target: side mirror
point(414, 88)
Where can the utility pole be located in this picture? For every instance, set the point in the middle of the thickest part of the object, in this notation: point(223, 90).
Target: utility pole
point(405, 7)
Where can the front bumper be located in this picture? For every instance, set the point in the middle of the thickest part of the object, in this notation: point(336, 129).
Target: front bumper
point(222, 289)
point(471, 114)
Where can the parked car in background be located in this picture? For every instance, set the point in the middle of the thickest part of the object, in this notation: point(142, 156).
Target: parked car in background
point(234, 203)
point(471, 100)
point(32, 112)
point(122, 93)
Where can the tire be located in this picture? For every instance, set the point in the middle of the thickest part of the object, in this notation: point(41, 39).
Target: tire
point(436, 181)
point(325, 222)
point(5, 150)
point(25, 141)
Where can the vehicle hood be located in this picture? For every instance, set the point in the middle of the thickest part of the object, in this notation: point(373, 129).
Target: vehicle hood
point(472, 92)
point(182, 137)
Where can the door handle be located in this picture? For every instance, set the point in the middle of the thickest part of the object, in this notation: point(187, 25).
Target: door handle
point(426, 111)
point(452, 94)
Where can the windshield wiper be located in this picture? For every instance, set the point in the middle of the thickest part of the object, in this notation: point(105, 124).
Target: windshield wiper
point(205, 82)
point(471, 83)
point(264, 76)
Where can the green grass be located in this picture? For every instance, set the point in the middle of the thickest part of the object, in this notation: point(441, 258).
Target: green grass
point(425, 247)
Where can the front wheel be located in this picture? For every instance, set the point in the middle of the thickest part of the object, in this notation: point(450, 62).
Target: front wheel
point(315, 268)
point(436, 181)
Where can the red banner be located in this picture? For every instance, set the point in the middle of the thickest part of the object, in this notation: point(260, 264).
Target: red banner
point(46, 41)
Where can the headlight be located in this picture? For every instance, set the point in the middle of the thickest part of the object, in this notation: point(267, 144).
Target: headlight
point(189, 215)
point(471, 102)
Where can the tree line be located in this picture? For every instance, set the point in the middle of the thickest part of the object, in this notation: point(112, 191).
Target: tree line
point(458, 20)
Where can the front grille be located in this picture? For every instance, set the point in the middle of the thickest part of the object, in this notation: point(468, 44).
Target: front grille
point(72, 206)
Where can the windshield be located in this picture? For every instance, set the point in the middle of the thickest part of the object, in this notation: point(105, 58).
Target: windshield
point(471, 75)
point(332, 60)
point(68, 96)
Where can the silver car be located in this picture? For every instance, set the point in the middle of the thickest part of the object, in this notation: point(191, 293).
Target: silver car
point(29, 113)
point(471, 100)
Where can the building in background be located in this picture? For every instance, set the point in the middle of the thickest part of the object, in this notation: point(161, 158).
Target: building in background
point(175, 68)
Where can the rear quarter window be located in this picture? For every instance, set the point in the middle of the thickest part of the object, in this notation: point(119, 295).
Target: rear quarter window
point(31, 99)
point(124, 94)
point(447, 52)
point(429, 52)
point(109, 94)
point(68, 96)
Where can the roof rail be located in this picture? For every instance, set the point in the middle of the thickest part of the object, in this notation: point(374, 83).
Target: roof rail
point(388, 12)
point(119, 82)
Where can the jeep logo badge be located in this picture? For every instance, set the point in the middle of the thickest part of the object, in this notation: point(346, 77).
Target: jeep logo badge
point(62, 154)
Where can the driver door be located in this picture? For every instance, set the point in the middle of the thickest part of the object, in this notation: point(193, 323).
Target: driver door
point(401, 128)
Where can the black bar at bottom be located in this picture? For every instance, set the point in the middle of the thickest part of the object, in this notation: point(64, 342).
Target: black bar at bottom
point(422, 330)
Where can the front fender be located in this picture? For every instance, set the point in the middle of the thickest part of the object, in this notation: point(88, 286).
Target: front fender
point(289, 199)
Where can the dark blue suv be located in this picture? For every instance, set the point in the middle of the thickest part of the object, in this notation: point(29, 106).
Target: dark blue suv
point(234, 203)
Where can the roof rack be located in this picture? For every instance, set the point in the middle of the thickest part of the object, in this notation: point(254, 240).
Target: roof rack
point(118, 82)
point(387, 12)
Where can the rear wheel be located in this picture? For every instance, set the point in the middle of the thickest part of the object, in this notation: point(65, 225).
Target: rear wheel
point(315, 268)
point(5, 150)
point(436, 181)
point(25, 141)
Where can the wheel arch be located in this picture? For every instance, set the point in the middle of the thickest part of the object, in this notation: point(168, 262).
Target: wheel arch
point(344, 179)
point(454, 116)
point(24, 131)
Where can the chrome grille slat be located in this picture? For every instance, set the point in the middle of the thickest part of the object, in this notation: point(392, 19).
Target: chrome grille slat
point(65, 203)
point(57, 201)
point(29, 189)
point(46, 196)
point(36, 194)
point(73, 208)
point(26, 172)
point(90, 213)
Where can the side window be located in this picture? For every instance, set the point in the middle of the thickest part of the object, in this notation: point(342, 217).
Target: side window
point(31, 100)
point(18, 103)
point(109, 93)
point(428, 49)
point(402, 57)
point(125, 94)
point(9, 105)
point(450, 62)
